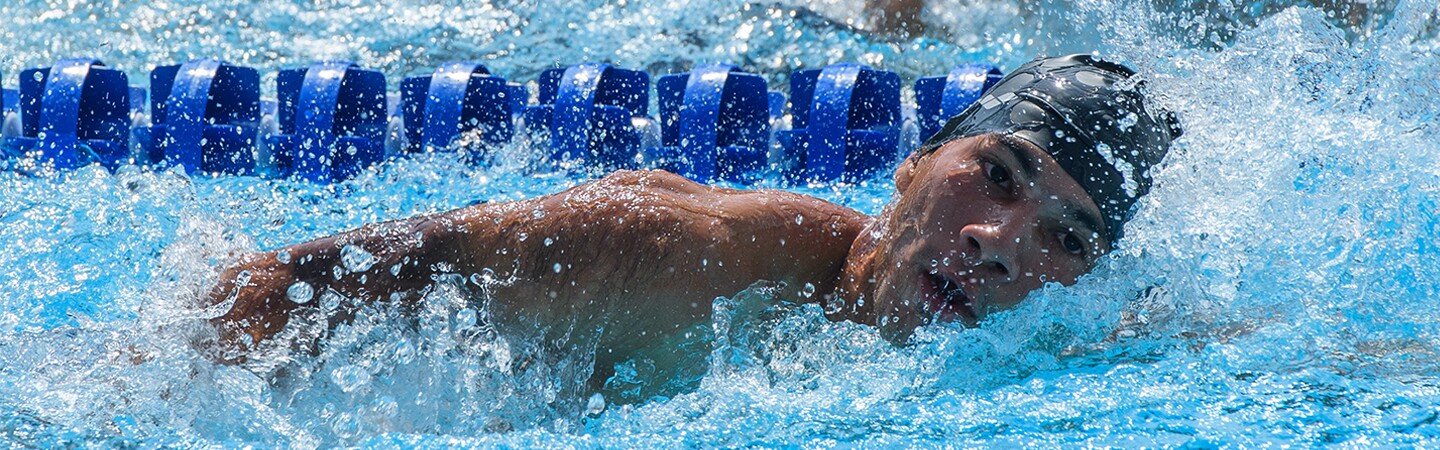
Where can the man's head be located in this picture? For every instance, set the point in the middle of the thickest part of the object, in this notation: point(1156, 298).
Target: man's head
point(1031, 184)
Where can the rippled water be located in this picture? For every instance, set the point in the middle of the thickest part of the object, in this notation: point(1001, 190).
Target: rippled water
point(1278, 286)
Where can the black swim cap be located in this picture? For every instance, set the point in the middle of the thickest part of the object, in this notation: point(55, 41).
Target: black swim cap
point(1080, 111)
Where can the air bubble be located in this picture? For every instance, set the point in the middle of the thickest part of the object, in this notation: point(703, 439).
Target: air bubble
point(356, 259)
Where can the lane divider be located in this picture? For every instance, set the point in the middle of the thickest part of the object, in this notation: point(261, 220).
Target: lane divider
point(459, 98)
point(715, 124)
point(333, 120)
point(205, 116)
point(846, 123)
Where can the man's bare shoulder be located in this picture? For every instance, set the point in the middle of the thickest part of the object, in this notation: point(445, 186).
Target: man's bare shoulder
point(658, 189)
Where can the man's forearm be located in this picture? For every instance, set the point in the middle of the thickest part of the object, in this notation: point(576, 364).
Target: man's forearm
point(392, 261)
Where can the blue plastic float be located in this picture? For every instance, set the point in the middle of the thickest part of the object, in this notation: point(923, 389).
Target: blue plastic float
point(205, 114)
point(332, 117)
point(332, 121)
point(715, 123)
point(937, 99)
point(459, 97)
point(588, 112)
point(72, 114)
point(845, 123)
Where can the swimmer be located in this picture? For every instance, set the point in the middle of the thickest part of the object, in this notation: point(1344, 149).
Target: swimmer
point(1030, 185)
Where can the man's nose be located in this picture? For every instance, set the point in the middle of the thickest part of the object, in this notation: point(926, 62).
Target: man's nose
point(998, 244)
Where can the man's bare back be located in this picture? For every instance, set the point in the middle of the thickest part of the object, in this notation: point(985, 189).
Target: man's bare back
point(635, 254)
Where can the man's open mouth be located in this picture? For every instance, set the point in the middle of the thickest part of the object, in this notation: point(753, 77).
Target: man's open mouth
point(947, 299)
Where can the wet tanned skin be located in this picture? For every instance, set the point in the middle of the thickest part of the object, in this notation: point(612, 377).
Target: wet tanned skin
point(985, 219)
point(640, 253)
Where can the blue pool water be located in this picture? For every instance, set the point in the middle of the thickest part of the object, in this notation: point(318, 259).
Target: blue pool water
point(1278, 286)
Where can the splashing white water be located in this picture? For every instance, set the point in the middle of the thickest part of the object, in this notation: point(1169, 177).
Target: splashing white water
point(1278, 284)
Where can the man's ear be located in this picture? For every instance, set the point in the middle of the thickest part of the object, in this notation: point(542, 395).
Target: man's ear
point(906, 171)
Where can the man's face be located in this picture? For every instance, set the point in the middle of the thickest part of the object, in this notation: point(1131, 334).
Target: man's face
point(977, 225)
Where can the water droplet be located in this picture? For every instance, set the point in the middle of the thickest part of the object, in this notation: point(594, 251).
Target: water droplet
point(549, 241)
point(465, 319)
point(283, 256)
point(595, 405)
point(524, 236)
point(557, 267)
point(799, 219)
point(945, 261)
point(356, 259)
point(808, 291)
point(395, 270)
point(1127, 122)
point(300, 292)
point(539, 213)
point(330, 300)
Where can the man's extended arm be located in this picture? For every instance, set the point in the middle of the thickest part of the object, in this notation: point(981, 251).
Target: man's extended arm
point(632, 252)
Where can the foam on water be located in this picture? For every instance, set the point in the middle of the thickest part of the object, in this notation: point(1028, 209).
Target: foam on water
point(1279, 284)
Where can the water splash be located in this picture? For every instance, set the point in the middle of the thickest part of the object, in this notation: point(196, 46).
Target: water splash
point(1278, 284)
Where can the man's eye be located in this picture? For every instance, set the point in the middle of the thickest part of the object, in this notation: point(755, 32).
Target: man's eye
point(997, 174)
point(1073, 244)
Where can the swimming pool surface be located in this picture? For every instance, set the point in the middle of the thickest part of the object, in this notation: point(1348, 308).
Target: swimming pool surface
point(1278, 286)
